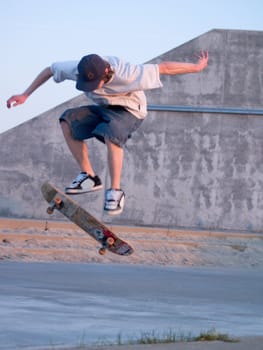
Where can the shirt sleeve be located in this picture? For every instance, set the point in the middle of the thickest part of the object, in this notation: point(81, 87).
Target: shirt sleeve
point(133, 77)
point(64, 70)
point(150, 77)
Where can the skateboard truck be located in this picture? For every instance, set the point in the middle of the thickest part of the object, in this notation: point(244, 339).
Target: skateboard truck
point(57, 204)
point(108, 243)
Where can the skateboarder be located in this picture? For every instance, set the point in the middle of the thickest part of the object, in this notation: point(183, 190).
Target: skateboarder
point(117, 87)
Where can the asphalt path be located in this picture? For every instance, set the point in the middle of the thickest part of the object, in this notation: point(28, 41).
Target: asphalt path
point(55, 304)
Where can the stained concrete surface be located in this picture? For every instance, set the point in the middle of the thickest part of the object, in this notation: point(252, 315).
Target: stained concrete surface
point(69, 304)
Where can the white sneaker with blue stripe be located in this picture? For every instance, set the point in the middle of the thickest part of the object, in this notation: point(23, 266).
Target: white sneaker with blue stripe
point(84, 183)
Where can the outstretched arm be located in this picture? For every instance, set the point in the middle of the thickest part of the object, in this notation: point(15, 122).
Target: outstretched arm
point(173, 68)
point(39, 80)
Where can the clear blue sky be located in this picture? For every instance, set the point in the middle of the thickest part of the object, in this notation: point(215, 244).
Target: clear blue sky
point(35, 33)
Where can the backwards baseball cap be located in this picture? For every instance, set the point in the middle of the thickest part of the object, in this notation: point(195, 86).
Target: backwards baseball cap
point(91, 70)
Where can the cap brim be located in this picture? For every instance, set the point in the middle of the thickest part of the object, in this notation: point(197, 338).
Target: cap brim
point(87, 85)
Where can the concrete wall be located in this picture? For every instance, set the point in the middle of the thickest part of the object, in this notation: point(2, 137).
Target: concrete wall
point(190, 170)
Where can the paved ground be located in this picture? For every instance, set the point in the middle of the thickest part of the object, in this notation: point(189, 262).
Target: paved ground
point(57, 304)
point(254, 343)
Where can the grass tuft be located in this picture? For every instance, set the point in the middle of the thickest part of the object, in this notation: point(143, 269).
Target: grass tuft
point(170, 336)
point(212, 335)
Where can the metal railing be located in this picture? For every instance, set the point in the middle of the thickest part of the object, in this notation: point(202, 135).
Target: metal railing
point(202, 109)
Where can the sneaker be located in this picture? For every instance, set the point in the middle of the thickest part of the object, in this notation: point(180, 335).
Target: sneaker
point(84, 183)
point(114, 201)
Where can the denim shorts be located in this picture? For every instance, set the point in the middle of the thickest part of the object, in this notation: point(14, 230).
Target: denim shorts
point(114, 123)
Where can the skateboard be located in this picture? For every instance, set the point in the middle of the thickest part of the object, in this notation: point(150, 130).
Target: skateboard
point(61, 202)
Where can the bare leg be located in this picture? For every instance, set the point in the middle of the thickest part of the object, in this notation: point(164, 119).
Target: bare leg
point(78, 149)
point(115, 160)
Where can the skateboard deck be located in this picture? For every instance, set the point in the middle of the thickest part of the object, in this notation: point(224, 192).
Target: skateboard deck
point(61, 202)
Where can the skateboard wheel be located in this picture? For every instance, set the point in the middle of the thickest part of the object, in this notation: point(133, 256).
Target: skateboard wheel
point(50, 210)
point(110, 241)
point(102, 251)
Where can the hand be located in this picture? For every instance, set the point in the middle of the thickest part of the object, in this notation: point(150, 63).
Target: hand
point(202, 60)
point(16, 100)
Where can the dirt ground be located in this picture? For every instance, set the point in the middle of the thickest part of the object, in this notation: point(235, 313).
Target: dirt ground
point(46, 241)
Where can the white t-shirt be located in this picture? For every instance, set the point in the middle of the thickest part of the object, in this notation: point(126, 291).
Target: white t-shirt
point(124, 89)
